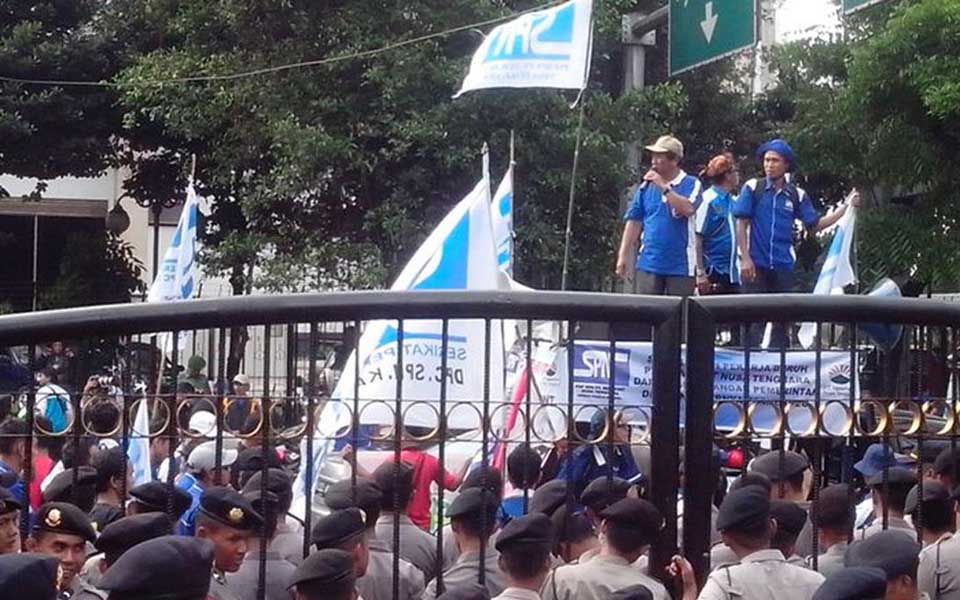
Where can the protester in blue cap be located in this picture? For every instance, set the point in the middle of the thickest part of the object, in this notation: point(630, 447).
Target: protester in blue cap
point(766, 210)
point(877, 458)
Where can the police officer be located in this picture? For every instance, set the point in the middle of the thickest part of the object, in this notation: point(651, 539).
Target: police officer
point(746, 527)
point(834, 524)
point(288, 541)
point(473, 518)
point(116, 539)
point(524, 545)
point(244, 583)
point(153, 496)
point(766, 210)
point(601, 493)
point(416, 545)
point(854, 583)
point(471, 591)
point(344, 530)
point(790, 520)
point(483, 476)
point(171, 567)
point(228, 520)
point(61, 488)
point(634, 592)
point(28, 577)
point(938, 574)
point(890, 497)
point(377, 583)
point(628, 527)
point(576, 537)
point(325, 575)
point(896, 554)
point(9, 522)
point(62, 531)
point(790, 477)
point(721, 555)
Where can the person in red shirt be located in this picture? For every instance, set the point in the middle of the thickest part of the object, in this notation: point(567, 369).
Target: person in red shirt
point(46, 453)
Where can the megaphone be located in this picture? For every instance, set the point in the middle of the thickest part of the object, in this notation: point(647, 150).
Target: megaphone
point(884, 335)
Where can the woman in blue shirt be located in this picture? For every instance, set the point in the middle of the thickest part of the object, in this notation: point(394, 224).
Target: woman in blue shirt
point(718, 268)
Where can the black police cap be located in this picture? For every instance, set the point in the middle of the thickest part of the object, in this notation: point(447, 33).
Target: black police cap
point(230, 508)
point(789, 516)
point(28, 576)
point(893, 551)
point(534, 529)
point(486, 477)
point(466, 591)
point(895, 476)
point(125, 533)
point(61, 488)
point(634, 592)
point(946, 461)
point(8, 503)
point(394, 478)
point(770, 465)
point(61, 517)
point(278, 483)
point(103, 515)
point(153, 497)
point(171, 567)
point(636, 514)
point(571, 526)
point(549, 497)
point(473, 501)
point(329, 566)
point(743, 508)
point(338, 527)
point(602, 492)
point(835, 508)
point(934, 492)
point(341, 495)
point(853, 583)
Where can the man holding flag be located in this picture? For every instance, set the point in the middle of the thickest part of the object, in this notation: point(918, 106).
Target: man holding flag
point(766, 211)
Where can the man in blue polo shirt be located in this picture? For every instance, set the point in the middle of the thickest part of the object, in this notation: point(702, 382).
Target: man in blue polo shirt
point(662, 209)
point(766, 210)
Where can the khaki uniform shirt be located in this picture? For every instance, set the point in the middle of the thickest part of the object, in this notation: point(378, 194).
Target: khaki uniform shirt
point(804, 545)
point(467, 569)
point(597, 579)
point(244, 582)
point(218, 587)
point(939, 572)
point(512, 593)
point(763, 575)
point(416, 545)
point(893, 522)
point(377, 583)
point(830, 561)
point(722, 556)
point(288, 542)
point(88, 592)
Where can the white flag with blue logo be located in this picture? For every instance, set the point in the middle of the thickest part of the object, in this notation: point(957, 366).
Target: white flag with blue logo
point(177, 277)
point(547, 48)
point(837, 271)
point(138, 450)
point(459, 254)
point(501, 210)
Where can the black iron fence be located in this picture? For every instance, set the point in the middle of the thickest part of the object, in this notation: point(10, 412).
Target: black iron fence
point(895, 390)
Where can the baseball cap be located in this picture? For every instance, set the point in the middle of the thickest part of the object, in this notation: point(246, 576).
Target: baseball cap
point(665, 144)
point(204, 457)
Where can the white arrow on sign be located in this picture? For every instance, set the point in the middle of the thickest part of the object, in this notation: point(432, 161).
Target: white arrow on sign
point(709, 24)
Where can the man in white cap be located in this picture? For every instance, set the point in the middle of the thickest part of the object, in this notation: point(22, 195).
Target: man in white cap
point(203, 471)
point(663, 210)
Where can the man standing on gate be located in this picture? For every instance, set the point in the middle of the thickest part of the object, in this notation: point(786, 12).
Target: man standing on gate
point(766, 210)
point(663, 210)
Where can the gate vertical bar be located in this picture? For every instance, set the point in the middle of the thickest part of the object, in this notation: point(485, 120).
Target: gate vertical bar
point(698, 438)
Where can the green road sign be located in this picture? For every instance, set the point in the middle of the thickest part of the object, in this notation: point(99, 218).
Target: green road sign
point(702, 31)
point(851, 6)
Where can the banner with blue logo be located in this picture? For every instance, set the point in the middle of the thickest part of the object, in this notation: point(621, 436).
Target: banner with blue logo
point(501, 210)
point(633, 379)
point(177, 276)
point(547, 48)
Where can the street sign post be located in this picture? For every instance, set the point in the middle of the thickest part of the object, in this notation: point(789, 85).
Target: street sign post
point(852, 6)
point(702, 31)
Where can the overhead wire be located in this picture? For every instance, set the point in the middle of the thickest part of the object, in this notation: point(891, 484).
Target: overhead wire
point(276, 68)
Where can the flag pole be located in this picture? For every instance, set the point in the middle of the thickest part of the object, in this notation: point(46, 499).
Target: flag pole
point(573, 183)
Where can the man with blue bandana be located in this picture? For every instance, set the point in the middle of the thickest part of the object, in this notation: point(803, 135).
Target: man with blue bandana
point(663, 210)
point(766, 210)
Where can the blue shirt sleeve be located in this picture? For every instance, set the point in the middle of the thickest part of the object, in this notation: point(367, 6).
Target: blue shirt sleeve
point(743, 205)
point(635, 211)
point(805, 211)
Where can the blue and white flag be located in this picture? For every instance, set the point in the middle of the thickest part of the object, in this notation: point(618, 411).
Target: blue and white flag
point(837, 271)
point(138, 450)
point(459, 254)
point(547, 48)
point(177, 277)
point(501, 211)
